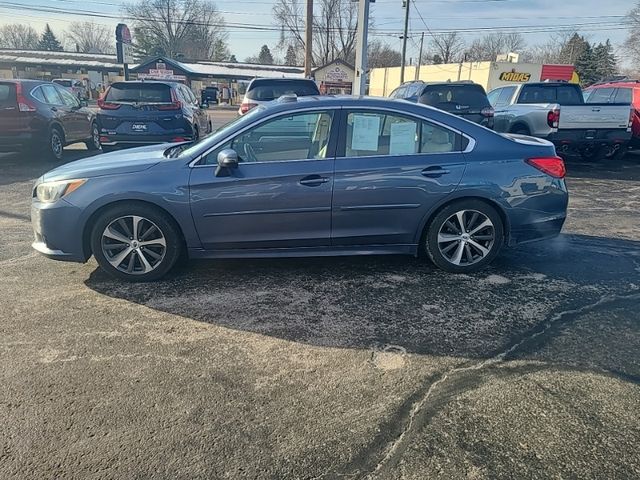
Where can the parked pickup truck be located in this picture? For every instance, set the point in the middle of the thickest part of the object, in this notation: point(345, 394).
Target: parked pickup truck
point(557, 112)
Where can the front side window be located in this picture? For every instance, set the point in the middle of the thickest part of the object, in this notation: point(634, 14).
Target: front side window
point(505, 96)
point(493, 96)
point(68, 99)
point(301, 136)
point(51, 95)
point(382, 134)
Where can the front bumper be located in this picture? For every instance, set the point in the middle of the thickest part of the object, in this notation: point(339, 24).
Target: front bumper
point(57, 231)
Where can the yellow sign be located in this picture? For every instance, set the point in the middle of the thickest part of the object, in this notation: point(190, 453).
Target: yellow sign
point(515, 77)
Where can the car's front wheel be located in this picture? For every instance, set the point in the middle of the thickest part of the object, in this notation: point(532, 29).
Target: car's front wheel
point(55, 147)
point(137, 243)
point(465, 236)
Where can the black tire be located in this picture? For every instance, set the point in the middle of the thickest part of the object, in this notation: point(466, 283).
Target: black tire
point(55, 145)
point(93, 143)
point(614, 154)
point(468, 245)
point(196, 134)
point(150, 255)
point(210, 125)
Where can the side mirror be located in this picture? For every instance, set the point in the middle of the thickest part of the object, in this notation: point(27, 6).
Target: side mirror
point(227, 159)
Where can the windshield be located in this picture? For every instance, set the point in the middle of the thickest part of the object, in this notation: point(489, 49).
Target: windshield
point(190, 149)
point(139, 92)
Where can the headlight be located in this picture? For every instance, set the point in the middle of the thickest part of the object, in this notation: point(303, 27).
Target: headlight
point(51, 191)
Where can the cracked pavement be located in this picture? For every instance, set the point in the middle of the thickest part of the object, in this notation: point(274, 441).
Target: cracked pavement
point(369, 367)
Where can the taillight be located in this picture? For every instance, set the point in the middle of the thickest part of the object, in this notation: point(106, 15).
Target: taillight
point(487, 112)
point(174, 105)
point(104, 105)
point(24, 105)
point(245, 107)
point(553, 118)
point(631, 114)
point(553, 166)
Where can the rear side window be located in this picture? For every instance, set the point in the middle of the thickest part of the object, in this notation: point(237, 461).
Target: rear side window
point(7, 95)
point(379, 133)
point(455, 97)
point(563, 94)
point(398, 92)
point(51, 95)
point(139, 92)
point(267, 91)
point(413, 90)
point(600, 95)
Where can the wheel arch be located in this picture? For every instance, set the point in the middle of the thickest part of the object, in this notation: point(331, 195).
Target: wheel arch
point(426, 222)
point(91, 221)
point(519, 124)
point(58, 125)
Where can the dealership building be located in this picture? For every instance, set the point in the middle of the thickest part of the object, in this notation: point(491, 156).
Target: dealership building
point(382, 81)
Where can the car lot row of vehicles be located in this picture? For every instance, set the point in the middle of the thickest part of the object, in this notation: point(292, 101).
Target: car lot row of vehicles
point(45, 116)
point(601, 122)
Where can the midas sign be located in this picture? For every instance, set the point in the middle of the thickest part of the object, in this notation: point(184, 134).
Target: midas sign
point(515, 77)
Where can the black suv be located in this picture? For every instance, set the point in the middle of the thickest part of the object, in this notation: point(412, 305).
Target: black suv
point(147, 112)
point(465, 99)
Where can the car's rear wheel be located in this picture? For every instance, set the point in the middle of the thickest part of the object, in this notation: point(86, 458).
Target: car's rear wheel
point(136, 243)
point(464, 236)
point(94, 142)
point(55, 146)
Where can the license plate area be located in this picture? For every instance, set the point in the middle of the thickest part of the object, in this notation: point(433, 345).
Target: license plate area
point(139, 127)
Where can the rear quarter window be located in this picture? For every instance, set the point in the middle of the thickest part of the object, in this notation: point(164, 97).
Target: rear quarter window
point(7, 95)
point(267, 91)
point(138, 92)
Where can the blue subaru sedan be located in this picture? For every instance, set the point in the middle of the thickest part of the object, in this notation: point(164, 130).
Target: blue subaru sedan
point(307, 177)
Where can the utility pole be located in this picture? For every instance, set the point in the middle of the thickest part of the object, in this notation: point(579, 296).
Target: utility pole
point(308, 34)
point(417, 77)
point(404, 39)
point(360, 80)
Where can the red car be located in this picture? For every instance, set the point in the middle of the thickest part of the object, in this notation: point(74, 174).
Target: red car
point(620, 91)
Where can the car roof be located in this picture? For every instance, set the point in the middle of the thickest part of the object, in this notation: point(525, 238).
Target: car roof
point(629, 84)
point(146, 82)
point(23, 80)
point(284, 79)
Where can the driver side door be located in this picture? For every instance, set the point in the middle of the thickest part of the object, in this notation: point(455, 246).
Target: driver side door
point(279, 196)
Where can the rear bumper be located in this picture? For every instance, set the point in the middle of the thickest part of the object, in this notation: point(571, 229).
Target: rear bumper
point(540, 230)
point(579, 138)
point(140, 140)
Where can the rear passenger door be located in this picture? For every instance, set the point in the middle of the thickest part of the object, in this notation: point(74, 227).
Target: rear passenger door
point(78, 121)
point(60, 111)
point(391, 169)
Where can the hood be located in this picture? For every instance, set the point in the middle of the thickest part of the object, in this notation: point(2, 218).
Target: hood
point(126, 161)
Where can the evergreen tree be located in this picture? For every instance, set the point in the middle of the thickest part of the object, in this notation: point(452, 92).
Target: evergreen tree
point(605, 60)
point(291, 58)
point(265, 57)
point(48, 41)
point(586, 66)
point(233, 59)
point(573, 49)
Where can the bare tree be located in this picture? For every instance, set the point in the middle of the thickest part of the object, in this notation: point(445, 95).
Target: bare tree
point(18, 36)
point(334, 28)
point(382, 55)
point(179, 29)
point(89, 37)
point(632, 44)
point(447, 47)
point(488, 47)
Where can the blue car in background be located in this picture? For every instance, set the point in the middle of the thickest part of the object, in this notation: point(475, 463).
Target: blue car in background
point(150, 112)
point(307, 177)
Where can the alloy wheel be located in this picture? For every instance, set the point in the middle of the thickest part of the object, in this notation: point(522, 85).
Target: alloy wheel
point(466, 237)
point(133, 245)
point(56, 144)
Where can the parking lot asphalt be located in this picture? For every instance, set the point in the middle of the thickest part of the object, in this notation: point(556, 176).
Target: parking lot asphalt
point(367, 367)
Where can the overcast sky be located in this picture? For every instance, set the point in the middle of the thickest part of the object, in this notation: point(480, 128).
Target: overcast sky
point(597, 19)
